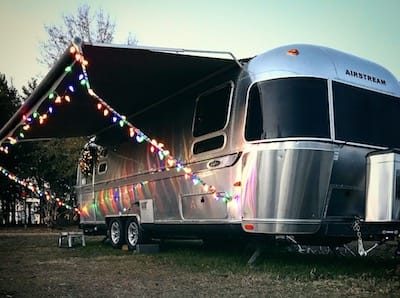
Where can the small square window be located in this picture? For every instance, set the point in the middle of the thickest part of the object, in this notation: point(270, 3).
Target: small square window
point(102, 168)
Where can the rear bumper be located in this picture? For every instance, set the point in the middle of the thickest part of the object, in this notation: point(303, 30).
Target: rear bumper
point(329, 229)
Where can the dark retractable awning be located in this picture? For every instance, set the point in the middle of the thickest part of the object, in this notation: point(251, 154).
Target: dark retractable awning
point(128, 78)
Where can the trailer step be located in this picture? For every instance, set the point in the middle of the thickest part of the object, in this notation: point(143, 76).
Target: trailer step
point(70, 237)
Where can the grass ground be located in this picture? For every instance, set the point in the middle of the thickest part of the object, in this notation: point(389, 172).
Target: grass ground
point(32, 265)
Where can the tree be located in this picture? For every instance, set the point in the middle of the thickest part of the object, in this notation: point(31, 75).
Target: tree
point(56, 161)
point(9, 103)
point(9, 100)
point(90, 28)
point(27, 90)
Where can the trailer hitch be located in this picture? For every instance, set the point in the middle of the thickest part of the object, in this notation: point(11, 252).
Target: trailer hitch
point(360, 245)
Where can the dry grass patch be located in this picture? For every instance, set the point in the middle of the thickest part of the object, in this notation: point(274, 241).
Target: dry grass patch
point(32, 265)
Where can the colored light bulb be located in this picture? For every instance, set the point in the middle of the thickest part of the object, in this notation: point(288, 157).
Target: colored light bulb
point(160, 155)
point(78, 57)
point(139, 137)
point(131, 132)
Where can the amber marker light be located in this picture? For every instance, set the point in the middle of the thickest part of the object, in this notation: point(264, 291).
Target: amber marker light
point(292, 52)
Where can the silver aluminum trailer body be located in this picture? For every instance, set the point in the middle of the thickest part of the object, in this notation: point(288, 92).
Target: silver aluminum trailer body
point(288, 137)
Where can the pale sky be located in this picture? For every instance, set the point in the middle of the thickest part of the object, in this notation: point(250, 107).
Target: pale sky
point(366, 28)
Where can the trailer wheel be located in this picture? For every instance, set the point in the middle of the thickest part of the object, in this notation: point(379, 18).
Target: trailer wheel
point(134, 235)
point(116, 233)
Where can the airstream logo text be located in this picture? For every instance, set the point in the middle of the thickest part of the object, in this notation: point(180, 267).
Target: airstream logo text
point(366, 77)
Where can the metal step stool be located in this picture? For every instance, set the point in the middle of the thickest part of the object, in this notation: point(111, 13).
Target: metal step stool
point(70, 237)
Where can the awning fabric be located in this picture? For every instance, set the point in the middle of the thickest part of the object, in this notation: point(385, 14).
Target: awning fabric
point(129, 79)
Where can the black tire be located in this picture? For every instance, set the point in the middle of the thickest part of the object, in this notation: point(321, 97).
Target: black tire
point(134, 234)
point(116, 233)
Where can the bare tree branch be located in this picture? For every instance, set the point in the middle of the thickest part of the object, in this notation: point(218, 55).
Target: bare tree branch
point(90, 28)
point(131, 39)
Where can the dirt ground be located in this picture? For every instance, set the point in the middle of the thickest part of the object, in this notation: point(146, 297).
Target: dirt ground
point(32, 265)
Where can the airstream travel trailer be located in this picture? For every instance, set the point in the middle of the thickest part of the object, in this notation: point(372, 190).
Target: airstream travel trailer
point(298, 141)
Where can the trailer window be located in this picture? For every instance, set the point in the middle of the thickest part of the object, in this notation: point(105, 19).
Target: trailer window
point(289, 107)
point(208, 144)
point(212, 110)
point(364, 116)
point(102, 168)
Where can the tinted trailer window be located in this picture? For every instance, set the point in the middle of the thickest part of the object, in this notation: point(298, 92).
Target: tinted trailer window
point(289, 107)
point(367, 117)
point(212, 110)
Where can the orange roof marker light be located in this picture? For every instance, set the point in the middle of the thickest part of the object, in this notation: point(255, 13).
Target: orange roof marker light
point(293, 52)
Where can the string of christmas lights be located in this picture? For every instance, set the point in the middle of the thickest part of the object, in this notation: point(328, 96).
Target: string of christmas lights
point(22, 182)
point(34, 188)
point(4, 149)
point(136, 134)
point(39, 119)
point(103, 107)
